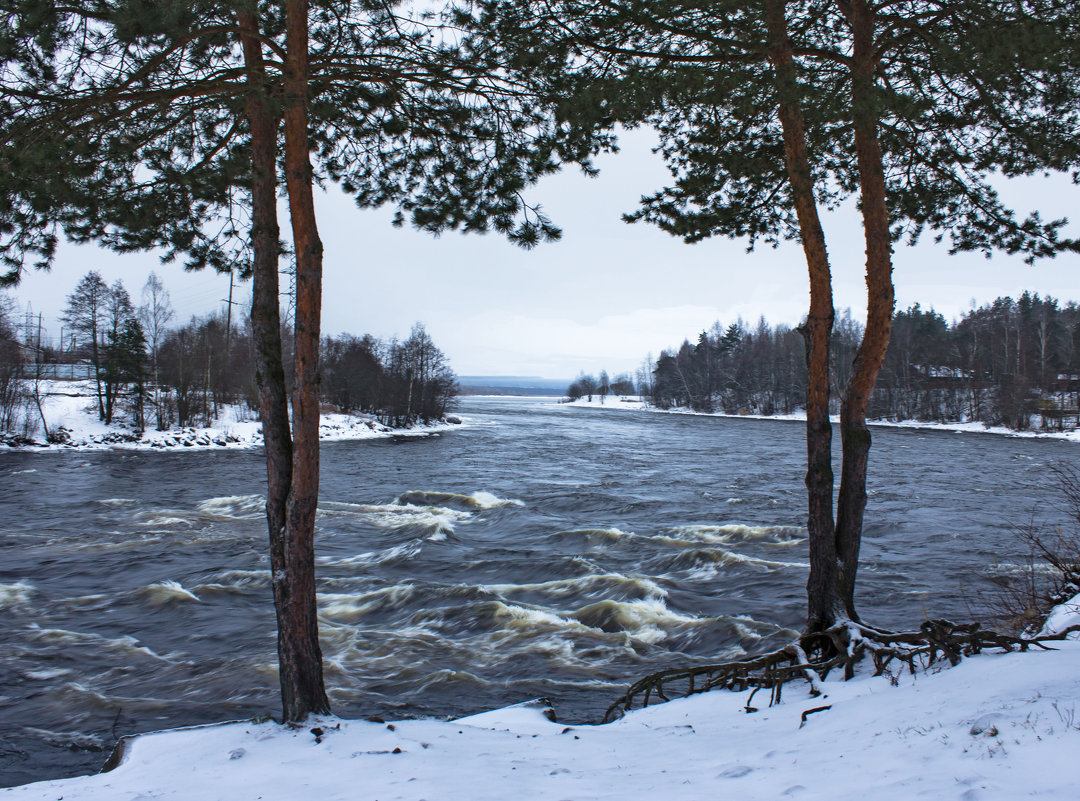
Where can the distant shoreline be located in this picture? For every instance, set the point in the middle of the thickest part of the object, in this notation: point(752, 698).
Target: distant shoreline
point(512, 385)
point(635, 403)
point(235, 428)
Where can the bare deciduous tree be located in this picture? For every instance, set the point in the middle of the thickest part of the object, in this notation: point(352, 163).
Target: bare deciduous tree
point(155, 313)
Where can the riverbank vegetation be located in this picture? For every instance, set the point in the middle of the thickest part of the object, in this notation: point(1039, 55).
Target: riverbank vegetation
point(1011, 363)
point(148, 373)
point(1049, 578)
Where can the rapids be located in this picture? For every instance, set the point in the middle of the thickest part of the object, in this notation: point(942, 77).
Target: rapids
point(538, 550)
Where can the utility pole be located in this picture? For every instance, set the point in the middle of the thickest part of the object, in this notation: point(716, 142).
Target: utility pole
point(228, 337)
point(228, 320)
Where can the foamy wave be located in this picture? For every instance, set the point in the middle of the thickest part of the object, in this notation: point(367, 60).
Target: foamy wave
point(117, 501)
point(1015, 569)
point(394, 516)
point(740, 533)
point(485, 500)
point(165, 592)
point(477, 500)
point(125, 644)
point(645, 620)
point(748, 628)
point(13, 595)
point(594, 534)
point(648, 620)
point(243, 578)
point(604, 582)
point(437, 518)
point(554, 648)
point(161, 518)
point(511, 614)
point(745, 631)
point(706, 561)
point(47, 675)
point(349, 608)
point(398, 553)
point(238, 507)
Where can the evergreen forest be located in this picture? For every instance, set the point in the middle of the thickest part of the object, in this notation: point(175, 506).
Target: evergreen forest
point(1013, 363)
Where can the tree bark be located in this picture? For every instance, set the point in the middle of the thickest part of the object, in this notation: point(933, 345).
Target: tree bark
point(855, 436)
point(823, 588)
point(303, 690)
point(292, 567)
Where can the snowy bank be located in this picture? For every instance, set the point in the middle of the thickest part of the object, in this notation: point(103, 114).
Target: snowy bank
point(70, 407)
point(994, 727)
point(1063, 616)
point(635, 403)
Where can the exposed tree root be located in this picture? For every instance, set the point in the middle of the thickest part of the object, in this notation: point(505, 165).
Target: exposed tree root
point(813, 656)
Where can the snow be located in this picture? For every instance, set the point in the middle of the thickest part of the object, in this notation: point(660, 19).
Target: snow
point(1001, 726)
point(1063, 616)
point(635, 403)
point(72, 405)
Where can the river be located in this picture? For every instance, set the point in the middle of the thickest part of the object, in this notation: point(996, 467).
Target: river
point(538, 550)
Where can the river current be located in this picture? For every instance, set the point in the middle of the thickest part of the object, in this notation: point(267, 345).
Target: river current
point(539, 550)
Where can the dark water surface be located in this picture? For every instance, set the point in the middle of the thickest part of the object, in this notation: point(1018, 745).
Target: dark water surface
point(541, 550)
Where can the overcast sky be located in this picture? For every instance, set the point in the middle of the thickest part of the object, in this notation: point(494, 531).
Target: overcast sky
point(604, 297)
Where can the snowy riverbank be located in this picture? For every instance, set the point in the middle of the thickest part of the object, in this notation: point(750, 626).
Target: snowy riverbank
point(1000, 726)
point(634, 403)
point(70, 407)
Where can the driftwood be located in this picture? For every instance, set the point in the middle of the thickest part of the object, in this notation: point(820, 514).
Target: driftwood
point(813, 656)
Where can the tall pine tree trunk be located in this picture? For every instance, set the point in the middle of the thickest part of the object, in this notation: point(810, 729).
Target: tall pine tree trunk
point(855, 436)
point(824, 601)
point(301, 660)
point(292, 568)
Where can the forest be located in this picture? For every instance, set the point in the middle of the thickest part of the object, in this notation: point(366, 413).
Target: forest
point(1013, 363)
point(151, 372)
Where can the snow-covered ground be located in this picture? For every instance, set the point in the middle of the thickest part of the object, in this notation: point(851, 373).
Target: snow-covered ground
point(994, 727)
point(72, 406)
point(634, 403)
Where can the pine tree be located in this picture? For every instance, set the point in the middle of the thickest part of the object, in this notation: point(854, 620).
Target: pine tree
point(164, 125)
point(770, 111)
point(85, 317)
point(119, 314)
point(125, 367)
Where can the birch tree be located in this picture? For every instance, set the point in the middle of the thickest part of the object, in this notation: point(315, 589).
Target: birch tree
point(155, 313)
